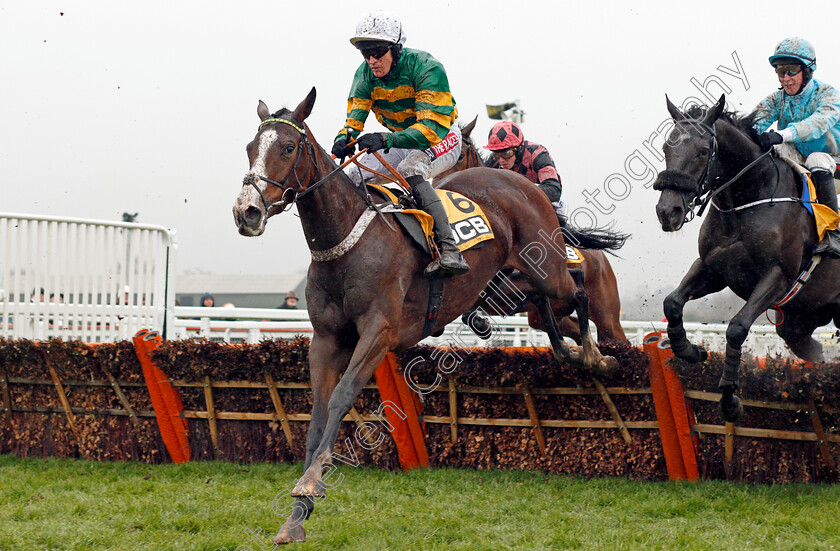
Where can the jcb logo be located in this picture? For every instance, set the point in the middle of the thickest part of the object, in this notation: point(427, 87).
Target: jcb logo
point(468, 229)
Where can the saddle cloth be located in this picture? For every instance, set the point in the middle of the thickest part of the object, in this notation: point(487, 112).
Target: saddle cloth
point(573, 255)
point(824, 217)
point(469, 224)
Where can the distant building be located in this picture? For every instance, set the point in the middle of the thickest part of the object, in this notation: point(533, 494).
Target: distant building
point(244, 291)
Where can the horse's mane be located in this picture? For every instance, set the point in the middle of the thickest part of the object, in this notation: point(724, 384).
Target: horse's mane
point(279, 114)
point(744, 123)
point(487, 158)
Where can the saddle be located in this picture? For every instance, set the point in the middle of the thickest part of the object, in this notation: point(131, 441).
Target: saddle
point(470, 226)
point(824, 217)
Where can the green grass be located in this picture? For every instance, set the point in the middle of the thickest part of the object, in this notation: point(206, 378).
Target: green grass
point(79, 505)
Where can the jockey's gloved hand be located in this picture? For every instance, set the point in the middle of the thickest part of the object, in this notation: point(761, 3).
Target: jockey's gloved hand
point(340, 148)
point(372, 142)
point(769, 139)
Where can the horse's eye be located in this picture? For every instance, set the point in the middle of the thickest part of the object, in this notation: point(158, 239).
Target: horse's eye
point(703, 153)
point(290, 148)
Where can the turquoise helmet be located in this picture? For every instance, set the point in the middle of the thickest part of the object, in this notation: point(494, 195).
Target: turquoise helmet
point(798, 49)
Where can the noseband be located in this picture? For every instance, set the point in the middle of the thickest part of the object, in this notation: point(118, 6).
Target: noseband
point(682, 182)
point(284, 203)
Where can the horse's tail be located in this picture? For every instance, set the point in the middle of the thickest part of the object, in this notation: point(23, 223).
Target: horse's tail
point(604, 239)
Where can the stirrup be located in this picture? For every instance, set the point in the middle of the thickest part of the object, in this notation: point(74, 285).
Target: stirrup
point(448, 266)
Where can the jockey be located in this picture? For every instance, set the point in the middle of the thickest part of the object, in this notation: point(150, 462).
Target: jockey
point(513, 152)
point(408, 92)
point(808, 115)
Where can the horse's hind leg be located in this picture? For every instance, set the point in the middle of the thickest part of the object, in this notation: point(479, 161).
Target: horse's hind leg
point(797, 330)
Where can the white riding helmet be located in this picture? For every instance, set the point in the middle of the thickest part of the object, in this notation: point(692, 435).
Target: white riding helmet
point(379, 25)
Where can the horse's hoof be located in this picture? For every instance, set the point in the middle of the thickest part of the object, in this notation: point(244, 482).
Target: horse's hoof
point(296, 534)
point(309, 488)
point(731, 408)
point(481, 327)
point(607, 365)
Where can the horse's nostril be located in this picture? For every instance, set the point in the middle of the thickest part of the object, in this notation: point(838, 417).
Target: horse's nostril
point(252, 216)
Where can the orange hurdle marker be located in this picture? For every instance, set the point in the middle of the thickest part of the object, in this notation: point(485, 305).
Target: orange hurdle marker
point(165, 398)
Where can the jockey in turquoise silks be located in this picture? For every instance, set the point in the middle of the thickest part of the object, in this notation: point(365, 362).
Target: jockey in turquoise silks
point(808, 115)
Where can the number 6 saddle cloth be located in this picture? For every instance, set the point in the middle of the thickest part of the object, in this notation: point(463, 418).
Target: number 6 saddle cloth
point(469, 224)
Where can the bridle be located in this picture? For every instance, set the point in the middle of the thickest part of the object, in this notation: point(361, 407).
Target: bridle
point(679, 181)
point(285, 203)
point(299, 191)
point(468, 151)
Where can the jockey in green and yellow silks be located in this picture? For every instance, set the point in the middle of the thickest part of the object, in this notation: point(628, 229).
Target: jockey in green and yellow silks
point(408, 92)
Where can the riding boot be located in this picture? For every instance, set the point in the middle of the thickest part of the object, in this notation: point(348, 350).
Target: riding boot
point(450, 260)
point(827, 195)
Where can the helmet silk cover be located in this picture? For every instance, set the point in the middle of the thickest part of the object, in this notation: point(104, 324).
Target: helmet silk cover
point(379, 25)
point(504, 135)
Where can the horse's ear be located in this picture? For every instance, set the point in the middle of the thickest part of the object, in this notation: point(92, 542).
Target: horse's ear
point(305, 107)
point(262, 111)
point(675, 113)
point(469, 128)
point(715, 111)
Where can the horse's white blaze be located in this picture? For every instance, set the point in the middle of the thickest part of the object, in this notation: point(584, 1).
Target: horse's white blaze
point(266, 139)
point(258, 168)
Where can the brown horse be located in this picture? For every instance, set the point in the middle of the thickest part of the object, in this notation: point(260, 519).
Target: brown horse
point(366, 293)
point(598, 276)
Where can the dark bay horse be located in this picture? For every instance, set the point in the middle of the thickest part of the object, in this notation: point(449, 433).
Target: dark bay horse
point(366, 293)
point(756, 239)
point(598, 276)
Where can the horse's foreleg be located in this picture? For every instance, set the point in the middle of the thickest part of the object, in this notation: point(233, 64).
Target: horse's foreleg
point(377, 341)
point(592, 357)
point(326, 361)
point(770, 289)
point(697, 283)
point(569, 327)
point(561, 350)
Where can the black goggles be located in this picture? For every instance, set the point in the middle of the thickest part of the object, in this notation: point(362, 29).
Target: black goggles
point(788, 70)
point(375, 52)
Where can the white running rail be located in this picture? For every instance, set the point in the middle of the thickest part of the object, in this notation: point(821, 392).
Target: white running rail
point(250, 325)
point(102, 281)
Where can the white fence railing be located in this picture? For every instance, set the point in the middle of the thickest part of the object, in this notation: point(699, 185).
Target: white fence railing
point(94, 281)
point(100, 281)
point(250, 325)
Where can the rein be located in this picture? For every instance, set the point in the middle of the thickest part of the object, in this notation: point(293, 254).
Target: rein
point(468, 151)
point(284, 203)
point(704, 188)
point(732, 180)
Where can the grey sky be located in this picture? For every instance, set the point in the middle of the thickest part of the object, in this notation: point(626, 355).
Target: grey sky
point(147, 108)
